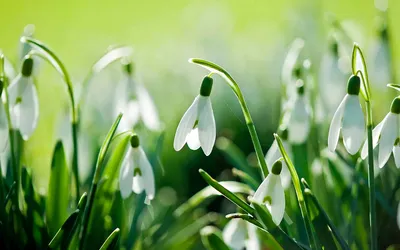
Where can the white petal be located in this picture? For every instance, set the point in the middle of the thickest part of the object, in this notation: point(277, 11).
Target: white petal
point(15, 91)
point(206, 125)
point(375, 138)
point(387, 139)
point(336, 125)
point(29, 111)
point(234, 234)
point(3, 128)
point(193, 140)
point(186, 125)
point(353, 125)
point(130, 116)
point(396, 155)
point(148, 175)
point(126, 174)
point(299, 121)
point(252, 241)
point(272, 187)
point(148, 110)
point(273, 155)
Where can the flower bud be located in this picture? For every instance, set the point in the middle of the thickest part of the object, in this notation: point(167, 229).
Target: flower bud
point(300, 87)
point(135, 141)
point(353, 85)
point(27, 67)
point(206, 86)
point(395, 107)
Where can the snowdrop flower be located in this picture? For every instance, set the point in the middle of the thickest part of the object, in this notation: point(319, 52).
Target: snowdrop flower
point(380, 73)
point(197, 126)
point(25, 48)
point(239, 234)
point(24, 102)
point(271, 194)
point(349, 118)
point(299, 116)
point(332, 80)
point(136, 173)
point(386, 136)
point(274, 154)
point(138, 106)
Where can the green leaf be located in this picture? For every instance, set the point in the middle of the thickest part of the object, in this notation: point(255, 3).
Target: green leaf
point(65, 233)
point(208, 193)
point(263, 216)
point(212, 239)
point(58, 191)
point(225, 192)
point(359, 67)
point(112, 241)
point(394, 86)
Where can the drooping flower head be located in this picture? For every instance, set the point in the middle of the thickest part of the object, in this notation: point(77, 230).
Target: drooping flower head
point(299, 116)
point(24, 102)
point(386, 135)
point(274, 154)
point(239, 234)
point(133, 99)
point(136, 173)
point(348, 118)
point(271, 193)
point(197, 126)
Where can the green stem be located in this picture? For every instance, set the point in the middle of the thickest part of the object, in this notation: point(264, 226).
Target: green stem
point(246, 113)
point(44, 52)
point(299, 193)
point(371, 181)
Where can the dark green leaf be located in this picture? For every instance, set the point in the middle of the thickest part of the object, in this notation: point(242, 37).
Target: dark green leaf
point(65, 233)
point(112, 241)
point(212, 239)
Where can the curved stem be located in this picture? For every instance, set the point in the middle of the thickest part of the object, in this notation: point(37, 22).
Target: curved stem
point(299, 193)
point(44, 52)
point(214, 68)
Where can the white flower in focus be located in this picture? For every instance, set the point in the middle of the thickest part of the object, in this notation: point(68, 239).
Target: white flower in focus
point(271, 194)
point(274, 154)
point(299, 119)
point(385, 137)
point(197, 126)
point(24, 102)
point(348, 118)
point(239, 234)
point(139, 106)
point(136, 173)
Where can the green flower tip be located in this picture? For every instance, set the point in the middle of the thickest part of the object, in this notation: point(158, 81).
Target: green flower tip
point(297, 72)
point(206, 86)
point(27, 66)
point(277, 167)
point(395, 107)
point(128, 66)
point(135, 142)
point(335, 48)
point(353, 85)
point(300, 87)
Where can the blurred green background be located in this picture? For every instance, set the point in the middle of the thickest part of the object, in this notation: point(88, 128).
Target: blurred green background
point(249, 38)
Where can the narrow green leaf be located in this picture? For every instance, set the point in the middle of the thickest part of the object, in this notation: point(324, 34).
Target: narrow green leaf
point(58, 191)
point(263, 215)
point(112, 241)
point(225, 192)
point(394, 86)
point(212, 239)
point(64, 234)
point(82, 201)
point(10, 193)
point(209, 192)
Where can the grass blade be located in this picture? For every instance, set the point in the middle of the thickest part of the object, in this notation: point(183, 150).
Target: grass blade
point(112, 241)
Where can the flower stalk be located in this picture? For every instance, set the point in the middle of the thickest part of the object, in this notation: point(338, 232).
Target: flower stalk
point(214, 68)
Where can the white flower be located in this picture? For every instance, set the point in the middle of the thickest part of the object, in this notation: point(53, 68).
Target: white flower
point(138, 106)
point(331, 81)
point(271, 194)
point(349, 118)
point(299, 116)
point(136, 173)
point(239, 234)
point(23, 99)
point(386, 136)
point(274, 154)
point(197, 126)
point(380, 73)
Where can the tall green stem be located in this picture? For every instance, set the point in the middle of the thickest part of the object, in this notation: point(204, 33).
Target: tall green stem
point(214, 68)
point(44, 52)
point(299, 192)
point(371, 180)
